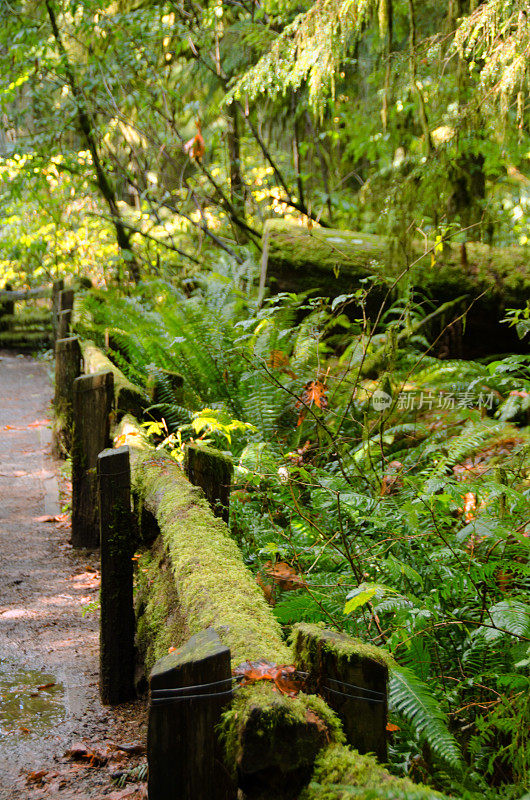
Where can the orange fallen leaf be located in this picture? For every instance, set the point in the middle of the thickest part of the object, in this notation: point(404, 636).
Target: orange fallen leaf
point(195, 146)
point(45, 686)
point(314, 393)
point(391, 728)
point(135, 748)
point(282, 676)
point(36, 777)
point(285, 576)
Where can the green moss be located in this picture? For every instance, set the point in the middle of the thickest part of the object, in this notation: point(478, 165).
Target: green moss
point(305, 636)
point(323, 246)
point(342, 773)
point(29, 317)
point(24, 339)
point(213, 459)
point(299, 258)
point(159, 624)
point(215, 588)
point(129, 398)
point(274, 719)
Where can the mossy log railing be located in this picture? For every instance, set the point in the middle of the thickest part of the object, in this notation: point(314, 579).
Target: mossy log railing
point(191, 578)
point(197, 574)
point(342, 773)
point(30, 329)
point(129, 397)
point(334, 262)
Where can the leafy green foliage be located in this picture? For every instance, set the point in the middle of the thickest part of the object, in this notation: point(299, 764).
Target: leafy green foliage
point(406, 527)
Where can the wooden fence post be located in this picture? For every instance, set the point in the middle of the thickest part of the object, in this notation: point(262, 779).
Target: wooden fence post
point(350, 679)
point(93, 397)
point(64, 319)
point(67, 369)
point(64, 313)
point(57, 288)
point(212, 471)
point(188, 690)
point(66, 299)
point(7, 308)
point(117, 542)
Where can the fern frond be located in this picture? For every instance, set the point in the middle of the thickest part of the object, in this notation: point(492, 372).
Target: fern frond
point(413, 699)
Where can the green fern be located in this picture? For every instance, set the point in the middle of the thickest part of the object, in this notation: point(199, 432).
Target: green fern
point(414, 700)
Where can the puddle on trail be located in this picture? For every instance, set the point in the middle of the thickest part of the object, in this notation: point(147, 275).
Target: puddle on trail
point(26, 710)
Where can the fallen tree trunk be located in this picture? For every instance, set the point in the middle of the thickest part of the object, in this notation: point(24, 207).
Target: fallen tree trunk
point(334, 262)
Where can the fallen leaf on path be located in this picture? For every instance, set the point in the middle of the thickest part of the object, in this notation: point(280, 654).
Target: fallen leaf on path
point(45, 686)
point(47, 518)
point(80, 752)
point(36, 777)
point(133, 793)
point(24, 730)
point(38, 423)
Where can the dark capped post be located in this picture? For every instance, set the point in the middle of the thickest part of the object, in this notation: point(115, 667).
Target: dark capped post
point(93, 400)
point(117, 543)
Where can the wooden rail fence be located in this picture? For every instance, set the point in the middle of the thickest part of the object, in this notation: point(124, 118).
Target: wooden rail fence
point(46, 316)
point(272, 741)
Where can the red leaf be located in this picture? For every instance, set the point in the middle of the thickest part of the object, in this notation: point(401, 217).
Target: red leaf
point(282, 676)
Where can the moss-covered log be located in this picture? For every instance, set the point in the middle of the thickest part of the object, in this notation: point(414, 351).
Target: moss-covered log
point(215, 588)
point(272, 740)
point(193, 577)
point(334, 262)
point(129, 398)
point(25, 340)
point(343, 774)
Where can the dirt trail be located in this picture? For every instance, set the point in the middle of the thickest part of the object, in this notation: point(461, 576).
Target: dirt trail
point(44, 639)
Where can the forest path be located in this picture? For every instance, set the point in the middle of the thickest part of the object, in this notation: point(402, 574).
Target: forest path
point(44, 639)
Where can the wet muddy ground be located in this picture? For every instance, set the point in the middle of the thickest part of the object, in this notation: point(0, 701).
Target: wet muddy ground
point(56, 739)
